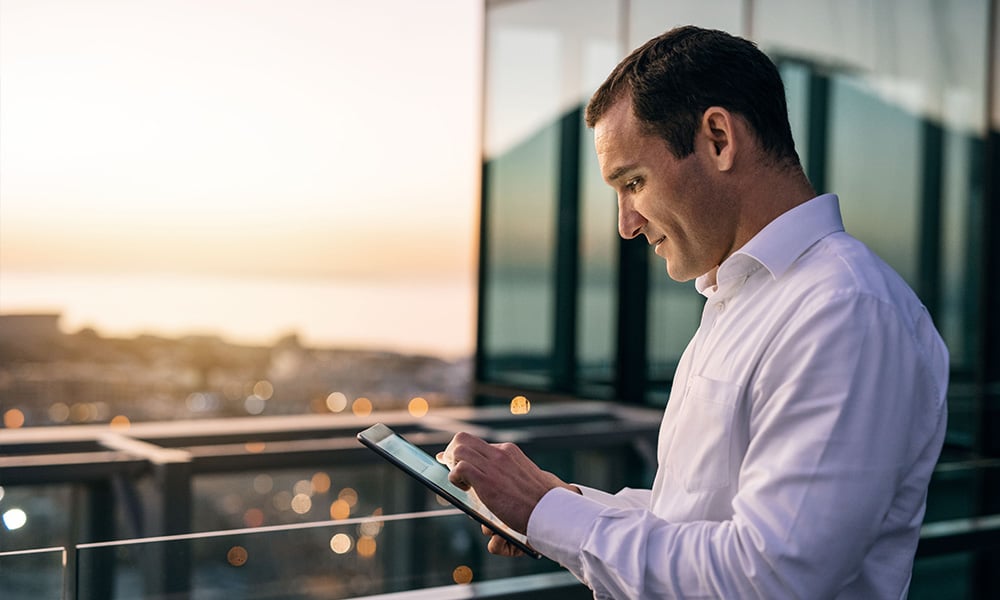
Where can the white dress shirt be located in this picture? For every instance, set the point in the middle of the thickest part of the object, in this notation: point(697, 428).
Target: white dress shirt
point(804, 421)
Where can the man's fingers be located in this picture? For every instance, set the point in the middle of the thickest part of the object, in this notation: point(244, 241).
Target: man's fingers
point(457, 479)
point(502, 547)
point(464, 474)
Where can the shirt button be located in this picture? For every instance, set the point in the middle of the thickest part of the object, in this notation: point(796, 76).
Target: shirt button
point(720, 306)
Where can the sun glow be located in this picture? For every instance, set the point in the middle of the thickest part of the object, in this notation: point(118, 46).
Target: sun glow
point(238, 138)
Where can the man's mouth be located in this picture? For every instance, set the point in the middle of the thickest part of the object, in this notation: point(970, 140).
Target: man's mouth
point(657, 243)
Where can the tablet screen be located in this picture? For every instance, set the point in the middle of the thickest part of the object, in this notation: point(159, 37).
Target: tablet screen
point(434, 475)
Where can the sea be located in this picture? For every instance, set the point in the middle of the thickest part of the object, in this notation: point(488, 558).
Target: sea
point(433, 316)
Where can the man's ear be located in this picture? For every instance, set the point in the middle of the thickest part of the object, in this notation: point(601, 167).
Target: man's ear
point(718, 132)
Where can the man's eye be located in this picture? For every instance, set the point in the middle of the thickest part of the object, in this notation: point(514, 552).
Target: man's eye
point(633, 184)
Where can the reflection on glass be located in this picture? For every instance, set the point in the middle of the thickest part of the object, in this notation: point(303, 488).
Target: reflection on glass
point(343, 559)
point(32, 574)
point(543, 61)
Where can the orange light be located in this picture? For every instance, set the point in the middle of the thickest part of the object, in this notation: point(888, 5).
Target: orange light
point(366, 546)
point(362, 407)
point(320, 482)
point(13, 419)
point(520, 405)
point(120, 423)
point(418, 407)
point(254, 447)
point(237, 556)
point(462, 574)
point(340, 509)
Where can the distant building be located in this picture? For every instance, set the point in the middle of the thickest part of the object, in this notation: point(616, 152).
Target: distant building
point(40, 327)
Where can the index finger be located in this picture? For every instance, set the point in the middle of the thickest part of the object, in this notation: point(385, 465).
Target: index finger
point(460, 439)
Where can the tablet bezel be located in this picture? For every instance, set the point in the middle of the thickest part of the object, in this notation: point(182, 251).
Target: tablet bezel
point(371, 437)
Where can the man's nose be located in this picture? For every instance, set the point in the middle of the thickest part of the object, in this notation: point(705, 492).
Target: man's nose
point(630, 222)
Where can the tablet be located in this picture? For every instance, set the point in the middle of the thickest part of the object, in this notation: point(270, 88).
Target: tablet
point(428, 471)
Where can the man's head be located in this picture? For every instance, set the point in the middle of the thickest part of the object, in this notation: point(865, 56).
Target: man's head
point(673, 78)
point(691, 130)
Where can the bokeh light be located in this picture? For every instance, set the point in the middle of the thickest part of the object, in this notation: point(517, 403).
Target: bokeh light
point(14, 518)
point(348, 495)
point(237, 556)
point(263, 484)
point(231, 503)
point(366, 546)
point(520, 405)
point(341, 543)
point(303, 486)
point(301, 504)
point(81, 412)
point(372, 528)
point(418, 407)
point(339, 509)
point(88, 412)
point(59, 412)
point(282, 501)
point(336, 402)
point(254, 447)
point(199, 402)
point(362, 407)
point(462, 574)
point(254, 404)
point(253, 517)
point(263, 389)
point(13, 419)
point(320, 482)
point(120, 423)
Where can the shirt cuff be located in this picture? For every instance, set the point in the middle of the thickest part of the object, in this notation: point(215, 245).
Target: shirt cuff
point(559, 526)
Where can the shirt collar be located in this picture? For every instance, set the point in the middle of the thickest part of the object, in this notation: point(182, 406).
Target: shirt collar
point(782, 241)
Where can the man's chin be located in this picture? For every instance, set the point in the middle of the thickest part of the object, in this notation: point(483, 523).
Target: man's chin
point(678, 273)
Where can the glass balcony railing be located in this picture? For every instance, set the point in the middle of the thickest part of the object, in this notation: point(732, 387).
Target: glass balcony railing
point(33, 574)
point(436, 554)
point(294, 507)
point(350, 558)
point(285, 506)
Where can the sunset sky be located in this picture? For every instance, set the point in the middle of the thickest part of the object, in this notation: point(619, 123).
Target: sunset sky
point(262, 138)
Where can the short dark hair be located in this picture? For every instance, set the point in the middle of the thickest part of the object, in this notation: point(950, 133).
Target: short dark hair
point(675, 76)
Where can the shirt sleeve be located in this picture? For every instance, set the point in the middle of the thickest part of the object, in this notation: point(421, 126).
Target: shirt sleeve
point(626, 498)
point(840, 407)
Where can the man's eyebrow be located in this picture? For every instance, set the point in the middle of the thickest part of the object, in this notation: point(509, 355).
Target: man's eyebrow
point(619, 172)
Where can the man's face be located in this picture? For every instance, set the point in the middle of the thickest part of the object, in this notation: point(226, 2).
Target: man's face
point(675, 203)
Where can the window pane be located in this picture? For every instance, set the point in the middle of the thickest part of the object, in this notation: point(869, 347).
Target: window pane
point(907, 93)
point(544, 59)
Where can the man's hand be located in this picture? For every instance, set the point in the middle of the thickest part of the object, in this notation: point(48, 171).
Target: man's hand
point(500, 546)
point(506, 481)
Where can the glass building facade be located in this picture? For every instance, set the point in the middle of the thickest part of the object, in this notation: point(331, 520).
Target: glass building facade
point(894, 105)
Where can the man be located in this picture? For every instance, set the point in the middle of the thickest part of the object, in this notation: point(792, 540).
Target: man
point(807, 412)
